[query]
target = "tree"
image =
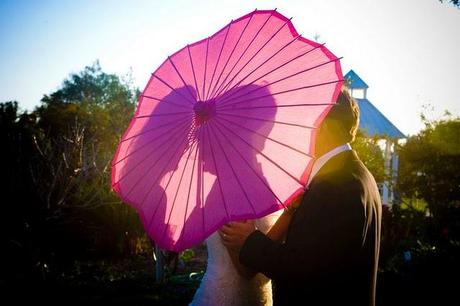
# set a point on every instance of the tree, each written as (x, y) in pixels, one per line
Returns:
(454, 2)
(371, 154)
(56, 175)
(80, 126)
(421, 247)
(430, 165)
(18, 193)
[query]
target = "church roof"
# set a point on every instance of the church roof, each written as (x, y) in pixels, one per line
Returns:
(352, 81)
(373, 123)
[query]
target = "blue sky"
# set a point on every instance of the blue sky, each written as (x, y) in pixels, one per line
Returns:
(407, 51)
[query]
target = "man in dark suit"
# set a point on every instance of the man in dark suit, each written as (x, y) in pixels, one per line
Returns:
(331, 247)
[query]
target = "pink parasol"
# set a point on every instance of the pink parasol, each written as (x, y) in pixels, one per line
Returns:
(225, 129)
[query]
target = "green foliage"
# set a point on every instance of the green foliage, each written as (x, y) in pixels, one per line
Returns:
(453, 2)
(101, 103)
(430, 165)
(56, 177)
(430, 172)
(187, 255)
(421, 237)
(371, 154)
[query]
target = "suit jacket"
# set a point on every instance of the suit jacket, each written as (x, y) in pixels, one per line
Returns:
(330, 255)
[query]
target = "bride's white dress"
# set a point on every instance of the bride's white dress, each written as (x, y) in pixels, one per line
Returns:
(222, 285)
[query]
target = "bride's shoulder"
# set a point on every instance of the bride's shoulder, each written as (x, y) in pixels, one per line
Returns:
(264, 223)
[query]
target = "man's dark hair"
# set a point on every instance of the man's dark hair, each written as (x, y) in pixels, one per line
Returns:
(343, 118)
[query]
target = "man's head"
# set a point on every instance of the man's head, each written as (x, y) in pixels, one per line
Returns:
(340, 125)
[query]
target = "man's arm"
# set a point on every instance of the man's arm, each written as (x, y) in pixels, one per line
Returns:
(234, 234)
(325, 232)
(276, 233)
(242, 270)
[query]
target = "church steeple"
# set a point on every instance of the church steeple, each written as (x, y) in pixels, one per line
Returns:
(374, 124)
(358, 88)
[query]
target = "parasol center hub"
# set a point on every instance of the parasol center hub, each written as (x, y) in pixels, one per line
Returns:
(204, 110)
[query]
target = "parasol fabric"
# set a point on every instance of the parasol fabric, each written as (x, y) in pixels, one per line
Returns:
(225, 129)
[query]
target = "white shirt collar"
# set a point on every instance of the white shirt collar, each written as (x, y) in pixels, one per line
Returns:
(324, 158)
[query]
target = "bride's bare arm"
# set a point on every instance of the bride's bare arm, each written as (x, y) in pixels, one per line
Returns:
(278, 231)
